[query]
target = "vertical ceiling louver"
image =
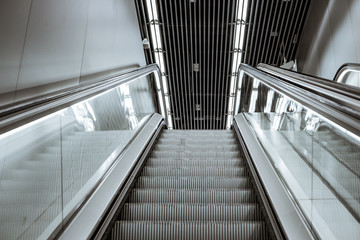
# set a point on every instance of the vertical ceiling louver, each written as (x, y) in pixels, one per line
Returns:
(200, 43)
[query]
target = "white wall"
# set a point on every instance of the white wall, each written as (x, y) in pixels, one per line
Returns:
(331, 37)
(47, 45)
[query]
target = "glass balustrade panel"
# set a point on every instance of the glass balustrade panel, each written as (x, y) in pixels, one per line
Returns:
(317, 159)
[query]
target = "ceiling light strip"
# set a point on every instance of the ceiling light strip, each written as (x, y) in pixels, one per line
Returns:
(201, 60)
(159, 59)
(210, 65)
(143, 22)
(176, 76)
(227, 62)
(213, 65)
(237, 54)
(169, 58)
(187, 57)
(194, 103)
(220, 98)
(182, 63)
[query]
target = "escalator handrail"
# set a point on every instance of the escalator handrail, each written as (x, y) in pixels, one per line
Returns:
(335, 94)
(22, 112)
(345, 68)
(347, 90)
(308, 99)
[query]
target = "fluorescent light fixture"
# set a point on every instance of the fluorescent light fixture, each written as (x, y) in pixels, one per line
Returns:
(159, 59)
(238, 48)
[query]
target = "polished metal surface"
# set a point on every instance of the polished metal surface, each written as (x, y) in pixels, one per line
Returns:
(342, 97)
(348, 73)
(204, 34)
(17, 114)
(312, 101)
(327, 84)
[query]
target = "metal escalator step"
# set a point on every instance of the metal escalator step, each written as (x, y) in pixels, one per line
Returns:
(192, 182)
(189, 230)
(155, 162)
(191, 212)
(198, 132)
(195, 154)
(195, 147)
(192, 196)
(193, 171)
(174, 140)
(196, 139)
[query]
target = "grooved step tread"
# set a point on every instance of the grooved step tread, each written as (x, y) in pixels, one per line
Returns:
(192, 196)
(194, 186)
(196, 141)
(194, 171)
(203, 146)
(189, 230)
(192, 182)
(196, 154)
(195, 162)
(190, 212)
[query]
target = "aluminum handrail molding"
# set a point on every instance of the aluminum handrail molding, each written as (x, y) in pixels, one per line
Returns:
(347, 67)
(22, 112)
(306, 98)
(350, 91)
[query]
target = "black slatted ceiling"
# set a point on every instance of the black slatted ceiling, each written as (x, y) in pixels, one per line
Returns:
(202, 32)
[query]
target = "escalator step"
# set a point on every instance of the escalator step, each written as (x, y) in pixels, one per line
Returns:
(195, 133)
(195, 147)
(193, 171)
(195, 154)
(190, 212)
(192, 196)
(195, 162)
(189, 230)
(192, 182)
(226, 141)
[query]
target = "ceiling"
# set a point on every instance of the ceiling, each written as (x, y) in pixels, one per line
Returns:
(200, 50)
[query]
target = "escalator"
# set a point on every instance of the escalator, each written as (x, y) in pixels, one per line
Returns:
(195, 185)
(96, 162)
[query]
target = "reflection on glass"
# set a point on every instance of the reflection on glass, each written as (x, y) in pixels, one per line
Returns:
(47, 167)
(318, 160)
